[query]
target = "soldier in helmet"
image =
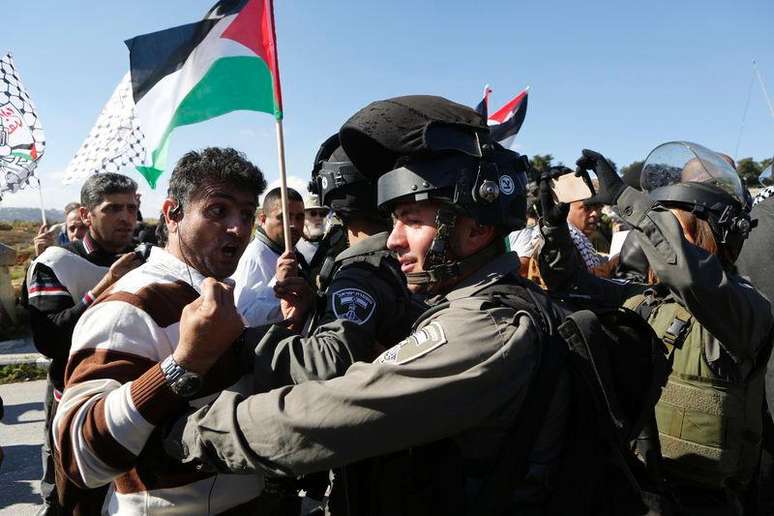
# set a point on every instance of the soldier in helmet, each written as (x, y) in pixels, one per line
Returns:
(436, 410)
(690, 223)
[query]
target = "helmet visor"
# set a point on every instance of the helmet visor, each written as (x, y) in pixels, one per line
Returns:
(686, 162)
(765, 178)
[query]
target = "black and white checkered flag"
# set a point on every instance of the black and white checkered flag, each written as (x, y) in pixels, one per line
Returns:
(116, 140)
(22, 141)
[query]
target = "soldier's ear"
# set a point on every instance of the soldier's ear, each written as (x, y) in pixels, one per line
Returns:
(472, 236)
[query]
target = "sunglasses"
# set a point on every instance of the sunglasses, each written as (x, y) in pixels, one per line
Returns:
(317, 213)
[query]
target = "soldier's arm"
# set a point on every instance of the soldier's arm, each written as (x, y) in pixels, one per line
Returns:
(726, 305)
(359, 303)
(450, 375)
(563, 271)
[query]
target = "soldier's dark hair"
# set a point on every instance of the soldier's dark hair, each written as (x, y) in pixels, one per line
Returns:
(97, 186)
(275, 194)
(213, 166)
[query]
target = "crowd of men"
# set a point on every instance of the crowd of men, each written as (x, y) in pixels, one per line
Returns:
(396, 356)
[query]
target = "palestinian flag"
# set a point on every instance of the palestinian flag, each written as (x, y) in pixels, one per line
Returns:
(194, 72)
(506, 122)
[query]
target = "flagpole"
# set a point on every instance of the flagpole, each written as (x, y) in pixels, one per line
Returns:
(283, 185)
(40, 198)
(278, 116)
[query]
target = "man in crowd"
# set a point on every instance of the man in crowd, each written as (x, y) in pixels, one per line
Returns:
(70, 230)
(457, 382)
(583, 219)
(314, 228)
(122, 378)
(61, 284)
(254, 275)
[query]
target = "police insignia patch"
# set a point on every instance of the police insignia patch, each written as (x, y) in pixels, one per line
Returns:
(353, 305)
(416, 345)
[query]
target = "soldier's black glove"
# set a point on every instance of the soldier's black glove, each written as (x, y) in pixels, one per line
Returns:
(611, 186)
(554, 214)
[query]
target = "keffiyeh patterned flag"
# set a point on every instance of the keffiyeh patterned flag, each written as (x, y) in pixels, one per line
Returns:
(116, 140)
(22, 141)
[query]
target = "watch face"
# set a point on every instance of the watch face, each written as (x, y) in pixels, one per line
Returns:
(187, 385)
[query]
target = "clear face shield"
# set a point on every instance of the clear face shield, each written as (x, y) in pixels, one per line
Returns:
(685, 162)
(765, 178)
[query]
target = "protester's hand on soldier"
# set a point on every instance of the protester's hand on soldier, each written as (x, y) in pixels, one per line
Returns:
(44, 239)
(208, 327)
(287, 266)
(554, 214)
(611, 186)
(119, 268)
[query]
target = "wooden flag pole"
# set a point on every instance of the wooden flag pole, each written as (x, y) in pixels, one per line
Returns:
(40, 198)
(283, 185)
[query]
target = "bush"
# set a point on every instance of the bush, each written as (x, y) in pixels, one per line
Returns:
(14, 373)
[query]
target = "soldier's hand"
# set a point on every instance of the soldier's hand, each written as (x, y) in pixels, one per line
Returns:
(287, 266)
(44, 239)
(611, 186)
(554, 214)
(208, 327)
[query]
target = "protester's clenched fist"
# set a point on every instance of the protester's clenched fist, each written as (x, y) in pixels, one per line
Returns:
(287, 266)
(208, 327)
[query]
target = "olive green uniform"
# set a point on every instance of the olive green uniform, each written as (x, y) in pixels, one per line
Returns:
(718, 326)
(461, 376)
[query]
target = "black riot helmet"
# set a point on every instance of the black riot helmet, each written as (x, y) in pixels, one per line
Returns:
(692, 178)
(425, 147)
(340, 185)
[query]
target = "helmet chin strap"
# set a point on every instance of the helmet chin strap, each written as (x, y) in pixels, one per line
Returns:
(439, 268)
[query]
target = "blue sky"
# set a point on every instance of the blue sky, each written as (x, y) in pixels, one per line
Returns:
(617, 77)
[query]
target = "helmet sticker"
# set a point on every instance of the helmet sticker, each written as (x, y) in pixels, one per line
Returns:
(507, 186)
(324, 182)
(352, 304)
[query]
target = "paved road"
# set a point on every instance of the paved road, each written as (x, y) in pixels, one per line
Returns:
(21, 434)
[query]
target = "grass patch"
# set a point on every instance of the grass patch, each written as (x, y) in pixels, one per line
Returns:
(15, 373)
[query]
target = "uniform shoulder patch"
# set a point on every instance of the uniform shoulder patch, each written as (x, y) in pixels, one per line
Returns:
(416, 345)
(353, 304)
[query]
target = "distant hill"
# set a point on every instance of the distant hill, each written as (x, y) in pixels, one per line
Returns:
(29, 215)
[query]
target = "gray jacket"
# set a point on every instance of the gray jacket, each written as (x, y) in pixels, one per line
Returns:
(462, 374)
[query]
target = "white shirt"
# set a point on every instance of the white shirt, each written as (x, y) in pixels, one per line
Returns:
(254, 281)
(307, 249)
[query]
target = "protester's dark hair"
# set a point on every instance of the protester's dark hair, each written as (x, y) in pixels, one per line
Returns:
(161, 231)
(98, 186)
(275, 194)
(213, 166)
(70, 206)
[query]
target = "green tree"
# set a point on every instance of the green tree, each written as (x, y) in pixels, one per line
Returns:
(633, 170)
(542, 162)
(749, 170)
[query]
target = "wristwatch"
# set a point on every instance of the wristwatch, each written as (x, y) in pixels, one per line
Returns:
(184, 383)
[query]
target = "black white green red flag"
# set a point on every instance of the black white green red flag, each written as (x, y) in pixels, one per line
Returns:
(194, 72)
(22, 141)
